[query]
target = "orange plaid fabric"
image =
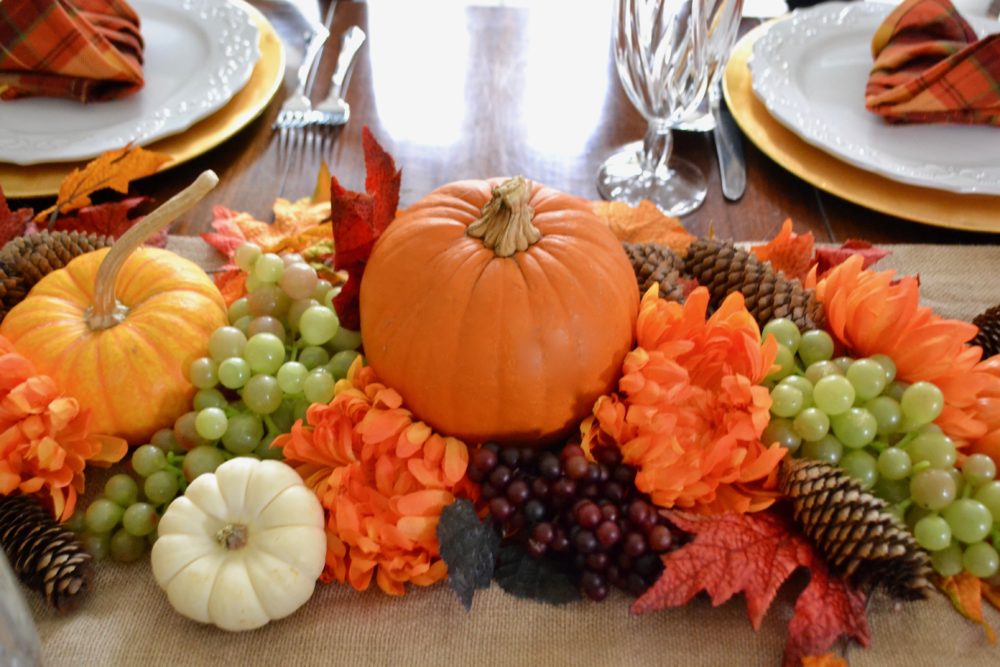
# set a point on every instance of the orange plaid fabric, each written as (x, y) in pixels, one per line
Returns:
(930, 67)
(82, 49)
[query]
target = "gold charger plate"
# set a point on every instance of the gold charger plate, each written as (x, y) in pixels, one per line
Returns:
(43, 179)
(977, 213)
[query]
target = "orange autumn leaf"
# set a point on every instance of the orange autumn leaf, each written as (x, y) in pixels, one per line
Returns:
(965, 592)
(825, 660)
(113, 169)
(643, 224)
(991, 592)
(788, 252)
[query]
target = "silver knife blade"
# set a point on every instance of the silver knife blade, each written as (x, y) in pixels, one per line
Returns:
(728, 148)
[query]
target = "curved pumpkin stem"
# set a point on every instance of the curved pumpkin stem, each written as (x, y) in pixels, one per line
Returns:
(106, 311)
(505, 225)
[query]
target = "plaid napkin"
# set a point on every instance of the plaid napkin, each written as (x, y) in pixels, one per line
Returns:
(82, 49)
(930, 67)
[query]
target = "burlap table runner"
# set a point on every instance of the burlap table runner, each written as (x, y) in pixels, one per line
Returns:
(128, 621)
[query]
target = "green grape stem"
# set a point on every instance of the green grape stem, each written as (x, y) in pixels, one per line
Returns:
(878, 446)
(175, 463)
(919, 467)
(994, 536)
(906, 439)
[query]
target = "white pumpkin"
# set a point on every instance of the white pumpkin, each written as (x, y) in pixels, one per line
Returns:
(241, 547)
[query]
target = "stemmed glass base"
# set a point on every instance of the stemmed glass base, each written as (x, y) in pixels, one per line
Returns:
(676, 187)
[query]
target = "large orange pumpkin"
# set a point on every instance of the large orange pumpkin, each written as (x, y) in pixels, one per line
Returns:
(498, 311)
(125, 358)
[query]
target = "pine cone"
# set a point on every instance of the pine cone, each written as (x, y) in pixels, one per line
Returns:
(46, 556)
(988, 337)
(854, 531)
(655, 263)
(27, 259)
(724, 268)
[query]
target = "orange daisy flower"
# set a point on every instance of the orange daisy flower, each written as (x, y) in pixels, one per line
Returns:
(871, 312)
(45, 442)
(383, 479)
(691, 409)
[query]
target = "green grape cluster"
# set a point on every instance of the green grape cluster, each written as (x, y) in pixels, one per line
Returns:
(855, 414)
(283, 350)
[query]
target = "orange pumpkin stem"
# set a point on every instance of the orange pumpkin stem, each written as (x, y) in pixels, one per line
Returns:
(106, 310)
(505, 225)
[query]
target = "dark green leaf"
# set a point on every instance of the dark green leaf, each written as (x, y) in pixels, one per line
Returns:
(534, 578)
(469, 548)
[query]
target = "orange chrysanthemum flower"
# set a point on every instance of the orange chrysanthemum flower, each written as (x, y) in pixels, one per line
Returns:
(869, 312)
(45, 442)
(691, 409)
(383, 479)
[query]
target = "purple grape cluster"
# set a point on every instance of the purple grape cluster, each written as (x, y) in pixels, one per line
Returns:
(585, 514)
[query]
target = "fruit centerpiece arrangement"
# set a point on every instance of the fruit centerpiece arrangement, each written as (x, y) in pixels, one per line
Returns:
(528, 401)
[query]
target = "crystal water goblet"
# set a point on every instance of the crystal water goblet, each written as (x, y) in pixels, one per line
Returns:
(661, 54)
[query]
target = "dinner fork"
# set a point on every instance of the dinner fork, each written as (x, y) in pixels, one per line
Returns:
(334, 110)
(294, 111)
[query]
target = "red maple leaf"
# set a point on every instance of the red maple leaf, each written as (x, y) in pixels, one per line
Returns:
(827, 258)
(788, 252)
(754, 554)
(12, 223)
(358, 221)
(111, 219)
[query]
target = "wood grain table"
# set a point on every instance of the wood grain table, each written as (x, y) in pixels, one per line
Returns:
(455, 90)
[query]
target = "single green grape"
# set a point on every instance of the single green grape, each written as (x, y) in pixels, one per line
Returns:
(816, 345)
(226, 342)
(243, 435)
(827, 449)
(811, 424)
(784, 331)
(887, 414)
(97, 545)
(895, 390)
(268, 300)
(933, 533)
(121, 489)
(237, 310)
(282, 417)
(140, 519)
(783, 432)
(318, 325)
(185, 432)
(126, 548)
(166, 440)
(867, 377)
(265, 451)
(296, 309)
(893, 491)
(265, 353)
(268, 268)
(290, 377)
(147, 459)
(202, 460)
(209, 398)
(887, 364)
(894, 463)
(833, 394)
(313, 357)
(989, 495)
(855, 428)
(234, 372)
(843, 363)
(299, 280)
(246, 256)
(340, 363)
(344, 340)
(933, 489)
(921, 403)
(862, 466)
(969, 519)
(981, 560)
(322, 287)
(978, 469)
(262, 394)
(103, 515)
(291, 258)
(243, 323)
(948, 561)
(818, 370)
(161, 487)
(318, 386)
(204, 373)
(267, 324)
(935, 448)
(77, 521)
(786, 401)
(211, 423)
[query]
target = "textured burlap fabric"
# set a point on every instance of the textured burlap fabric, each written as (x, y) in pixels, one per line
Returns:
(128, 621)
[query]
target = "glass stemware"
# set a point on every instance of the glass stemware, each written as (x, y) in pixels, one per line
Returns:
(661, 53)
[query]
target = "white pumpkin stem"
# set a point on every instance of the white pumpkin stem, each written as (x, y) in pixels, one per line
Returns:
(106, 311)
(233, 536)
(505, 224)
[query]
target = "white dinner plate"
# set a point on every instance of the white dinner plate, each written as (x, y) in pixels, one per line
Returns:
(810, 71)
(198, 54)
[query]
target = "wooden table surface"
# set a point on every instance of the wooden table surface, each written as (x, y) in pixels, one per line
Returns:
(457, 91)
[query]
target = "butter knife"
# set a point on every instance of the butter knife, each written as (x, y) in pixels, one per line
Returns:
(728, 147)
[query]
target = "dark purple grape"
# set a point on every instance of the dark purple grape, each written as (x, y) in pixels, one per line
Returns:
(516, 521)
(536, 549)
(609, 456)
(593, 473)
(510, 457)
(625, 562)
(543, 533)
(493, 447)
(528, 456)
(648, 565)
(501, 509)
(585, 541)
(539, 488)
(634, 544)
(559, 542)
(597, 561)
(609, 512)
(500, 477)
(638, 512)
(474, 475)
(588, 515)
(614, 491)
(549, 467)
(635, 584)
(572, 452)
(608, 533)
(487, 491)
(534, 511)
(624, 475)
(564, 488)
(518, 492)
(593, 586)
(483, 460)
(576, 468)
(592, 491)
(659, 538)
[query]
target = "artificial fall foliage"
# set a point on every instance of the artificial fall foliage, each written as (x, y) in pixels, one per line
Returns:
(643, 224)
(966, 593)
(12, 223)
(469, 548)
(796, 255)
(755, 554)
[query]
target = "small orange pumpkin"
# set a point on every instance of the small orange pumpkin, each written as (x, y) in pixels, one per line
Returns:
(125, 358)
(498, 311)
